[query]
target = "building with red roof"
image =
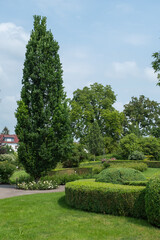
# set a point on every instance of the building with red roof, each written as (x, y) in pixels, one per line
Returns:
(10, 140)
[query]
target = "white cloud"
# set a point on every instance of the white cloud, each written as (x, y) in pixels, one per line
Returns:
(150, 74)
(121, 70)
(137, 39)
(13, 39)
(7, 109)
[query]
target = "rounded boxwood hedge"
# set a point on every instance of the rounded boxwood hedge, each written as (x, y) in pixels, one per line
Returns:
(152, 200)
(119, 175)
(106, 198)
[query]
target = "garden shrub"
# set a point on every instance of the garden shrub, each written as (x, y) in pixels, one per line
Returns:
(106, 198)
(62, 179)
(152, 201)
(137, 166)
(136, 183)
(24, 177)
(78, 154)
(136, 155)
(6, 170)
(150, 146)
(153, 164)
(7, 157)
(119, 175)
(106, 164)
(97, 170)
(128, 144)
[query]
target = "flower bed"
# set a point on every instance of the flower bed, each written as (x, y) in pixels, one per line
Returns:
(40, 185)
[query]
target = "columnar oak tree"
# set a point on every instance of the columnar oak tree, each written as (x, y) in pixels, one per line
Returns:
(43, 125)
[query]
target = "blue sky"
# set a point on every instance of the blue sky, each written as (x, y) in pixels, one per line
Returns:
(106, 41)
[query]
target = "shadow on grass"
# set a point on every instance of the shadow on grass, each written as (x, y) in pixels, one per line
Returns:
(63, 204)
(135, 221)
(140, 222)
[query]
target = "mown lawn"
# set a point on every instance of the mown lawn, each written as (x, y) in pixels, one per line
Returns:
(47, 217)
(150, 172)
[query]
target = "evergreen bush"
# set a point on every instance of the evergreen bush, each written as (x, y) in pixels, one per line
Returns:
(106, 198)
(152, 201)
(136, 155)
(119, 175)
(6, 170)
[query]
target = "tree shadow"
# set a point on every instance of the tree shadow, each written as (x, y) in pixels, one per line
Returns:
(63, 204)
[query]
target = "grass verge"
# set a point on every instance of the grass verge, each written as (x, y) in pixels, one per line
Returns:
(47, 217)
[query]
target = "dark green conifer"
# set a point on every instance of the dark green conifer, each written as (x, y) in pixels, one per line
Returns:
(43, 125)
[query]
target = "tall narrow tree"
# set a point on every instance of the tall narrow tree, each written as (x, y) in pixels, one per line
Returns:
(43, 125)
(5, 130)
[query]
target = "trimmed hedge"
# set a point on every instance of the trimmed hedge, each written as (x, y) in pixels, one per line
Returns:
(153, 164)
(136, 183)
(106, 198)
(152, 200)
(137, 166)
(69, 171)
(119, 175)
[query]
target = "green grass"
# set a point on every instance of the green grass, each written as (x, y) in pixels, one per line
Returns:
(47, 217)
(151, 172)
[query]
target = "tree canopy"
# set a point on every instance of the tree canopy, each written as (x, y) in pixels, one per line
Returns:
(156, 65)
(142, 116)
(43, 125)
(95, 103)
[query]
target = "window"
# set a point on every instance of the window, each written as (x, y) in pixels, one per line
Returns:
(9, 139)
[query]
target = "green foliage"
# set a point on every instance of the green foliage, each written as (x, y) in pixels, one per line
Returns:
(95, 141)
(19, 177)
(77, 155)
(63, 178)
(136, 155)
(142, 116)
(6, 149)
(95, 103)
(106, 198)
(106, 163)
(137, 166)
(152, 201)
(5, 131)
(6, 170)
(110, 144)
(151, 146)
(156, 65)
(97, 169)
(136, 183)
(119, 175)
(128, 144)
(8, 157)
(43, 125)
(153, 164)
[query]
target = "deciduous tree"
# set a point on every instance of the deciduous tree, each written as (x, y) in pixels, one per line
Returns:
(142, 116)
(95, 103)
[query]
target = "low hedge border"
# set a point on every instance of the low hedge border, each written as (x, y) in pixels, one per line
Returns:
(106, 198)
(136, 183)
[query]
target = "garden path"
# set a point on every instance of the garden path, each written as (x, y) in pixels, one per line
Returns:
(7, 191)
